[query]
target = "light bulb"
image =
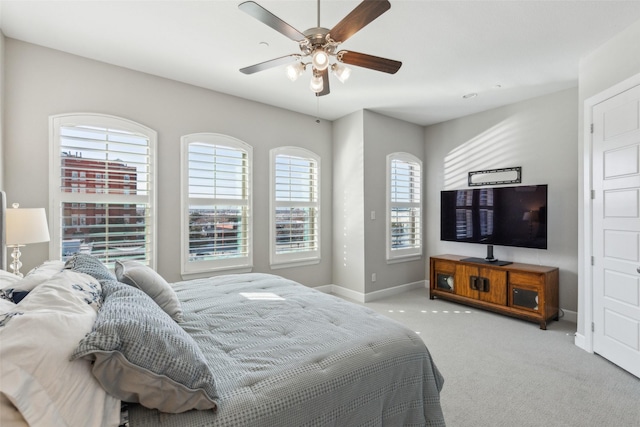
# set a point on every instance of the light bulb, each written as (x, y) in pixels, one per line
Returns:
(341, 72)
(316, 84)
(295, 70)
(320, 59)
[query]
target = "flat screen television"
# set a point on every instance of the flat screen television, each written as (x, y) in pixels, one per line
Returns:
(505, 216)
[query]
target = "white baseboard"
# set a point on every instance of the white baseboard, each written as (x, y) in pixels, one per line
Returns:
(324, 288)
(581, 342)
(371, 296)
(383, 293)
(570, 315)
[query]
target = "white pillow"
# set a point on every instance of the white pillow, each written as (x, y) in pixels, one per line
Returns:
(33, 278)
(62, 289)
(8, 280)
(39, 274)
(38, 338)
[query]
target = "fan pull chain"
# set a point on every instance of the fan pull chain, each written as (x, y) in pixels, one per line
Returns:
(317, 109)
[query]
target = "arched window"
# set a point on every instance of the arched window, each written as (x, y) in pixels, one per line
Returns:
(295, 207)
(404, 207)
(102, 188)
(216, 203)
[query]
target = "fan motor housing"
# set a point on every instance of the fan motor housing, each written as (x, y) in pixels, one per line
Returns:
(317, 36)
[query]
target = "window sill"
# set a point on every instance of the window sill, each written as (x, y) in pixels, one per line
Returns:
(407, 258)
(214, 271)
(289, 264)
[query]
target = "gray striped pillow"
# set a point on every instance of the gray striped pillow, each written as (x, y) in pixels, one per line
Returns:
(141, 355)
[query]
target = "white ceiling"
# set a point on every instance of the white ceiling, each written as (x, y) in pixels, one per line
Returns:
(505, 51)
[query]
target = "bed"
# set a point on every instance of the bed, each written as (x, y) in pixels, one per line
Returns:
(235, 350)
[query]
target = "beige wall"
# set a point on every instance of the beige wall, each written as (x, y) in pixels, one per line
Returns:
(540, 136)
(348, 202)
(41, 82)
(610, 64)
(362, 141)
(382, 136)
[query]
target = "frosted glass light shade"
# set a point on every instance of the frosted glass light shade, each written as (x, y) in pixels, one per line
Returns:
(316, 84)
(341, 72)
(320, 60)
(294, 71)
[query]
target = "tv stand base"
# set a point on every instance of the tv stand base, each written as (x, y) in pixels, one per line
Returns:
(525, 291)
(486, 261)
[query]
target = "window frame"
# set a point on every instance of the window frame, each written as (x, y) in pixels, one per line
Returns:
(203, 268)
(57, 197)
(412, 253)
(293, 259)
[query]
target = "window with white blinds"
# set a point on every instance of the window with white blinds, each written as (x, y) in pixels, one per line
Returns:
(216, 204)
(404, 221)
(102, 188)
(295, 206)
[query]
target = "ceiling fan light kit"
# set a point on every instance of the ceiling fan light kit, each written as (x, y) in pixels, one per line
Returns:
(320, 44)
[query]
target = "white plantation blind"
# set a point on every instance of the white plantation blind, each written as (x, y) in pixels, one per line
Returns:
(295, 225)
(217, 222)
(102, 188)
(404, 225)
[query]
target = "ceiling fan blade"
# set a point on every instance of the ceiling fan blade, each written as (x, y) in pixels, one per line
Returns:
(369, 61)
(268, 18)
(325, 83)
(269, 64)
(358, 18)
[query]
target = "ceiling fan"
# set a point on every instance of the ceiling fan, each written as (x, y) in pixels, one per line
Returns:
(321, 44)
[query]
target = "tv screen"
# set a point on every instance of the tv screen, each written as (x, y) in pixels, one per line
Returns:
(506, 216)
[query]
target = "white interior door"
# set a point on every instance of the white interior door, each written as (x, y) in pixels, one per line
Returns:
(616, 229)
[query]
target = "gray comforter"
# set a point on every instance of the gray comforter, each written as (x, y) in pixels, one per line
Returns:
(287, 355)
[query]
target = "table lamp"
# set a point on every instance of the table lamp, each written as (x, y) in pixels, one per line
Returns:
(24, 226)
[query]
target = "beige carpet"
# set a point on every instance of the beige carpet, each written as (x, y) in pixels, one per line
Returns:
(500, 371)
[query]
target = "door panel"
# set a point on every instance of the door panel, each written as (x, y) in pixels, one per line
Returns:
(620, 245)
(621, 162)
(621, 328)
(622, 287)
(621, 203)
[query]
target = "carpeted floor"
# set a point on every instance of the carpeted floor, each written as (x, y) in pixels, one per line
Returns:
(500, 371)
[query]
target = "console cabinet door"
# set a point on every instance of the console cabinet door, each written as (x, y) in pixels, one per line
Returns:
(497, 286)
(444, 276)
(480, 283)
(526, 291)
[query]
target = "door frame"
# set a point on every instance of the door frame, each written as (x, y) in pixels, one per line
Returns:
(585, 340)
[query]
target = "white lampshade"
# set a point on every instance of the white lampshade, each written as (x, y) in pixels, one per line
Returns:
(25, 226)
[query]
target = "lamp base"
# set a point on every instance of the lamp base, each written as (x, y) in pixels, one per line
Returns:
(16, 264)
